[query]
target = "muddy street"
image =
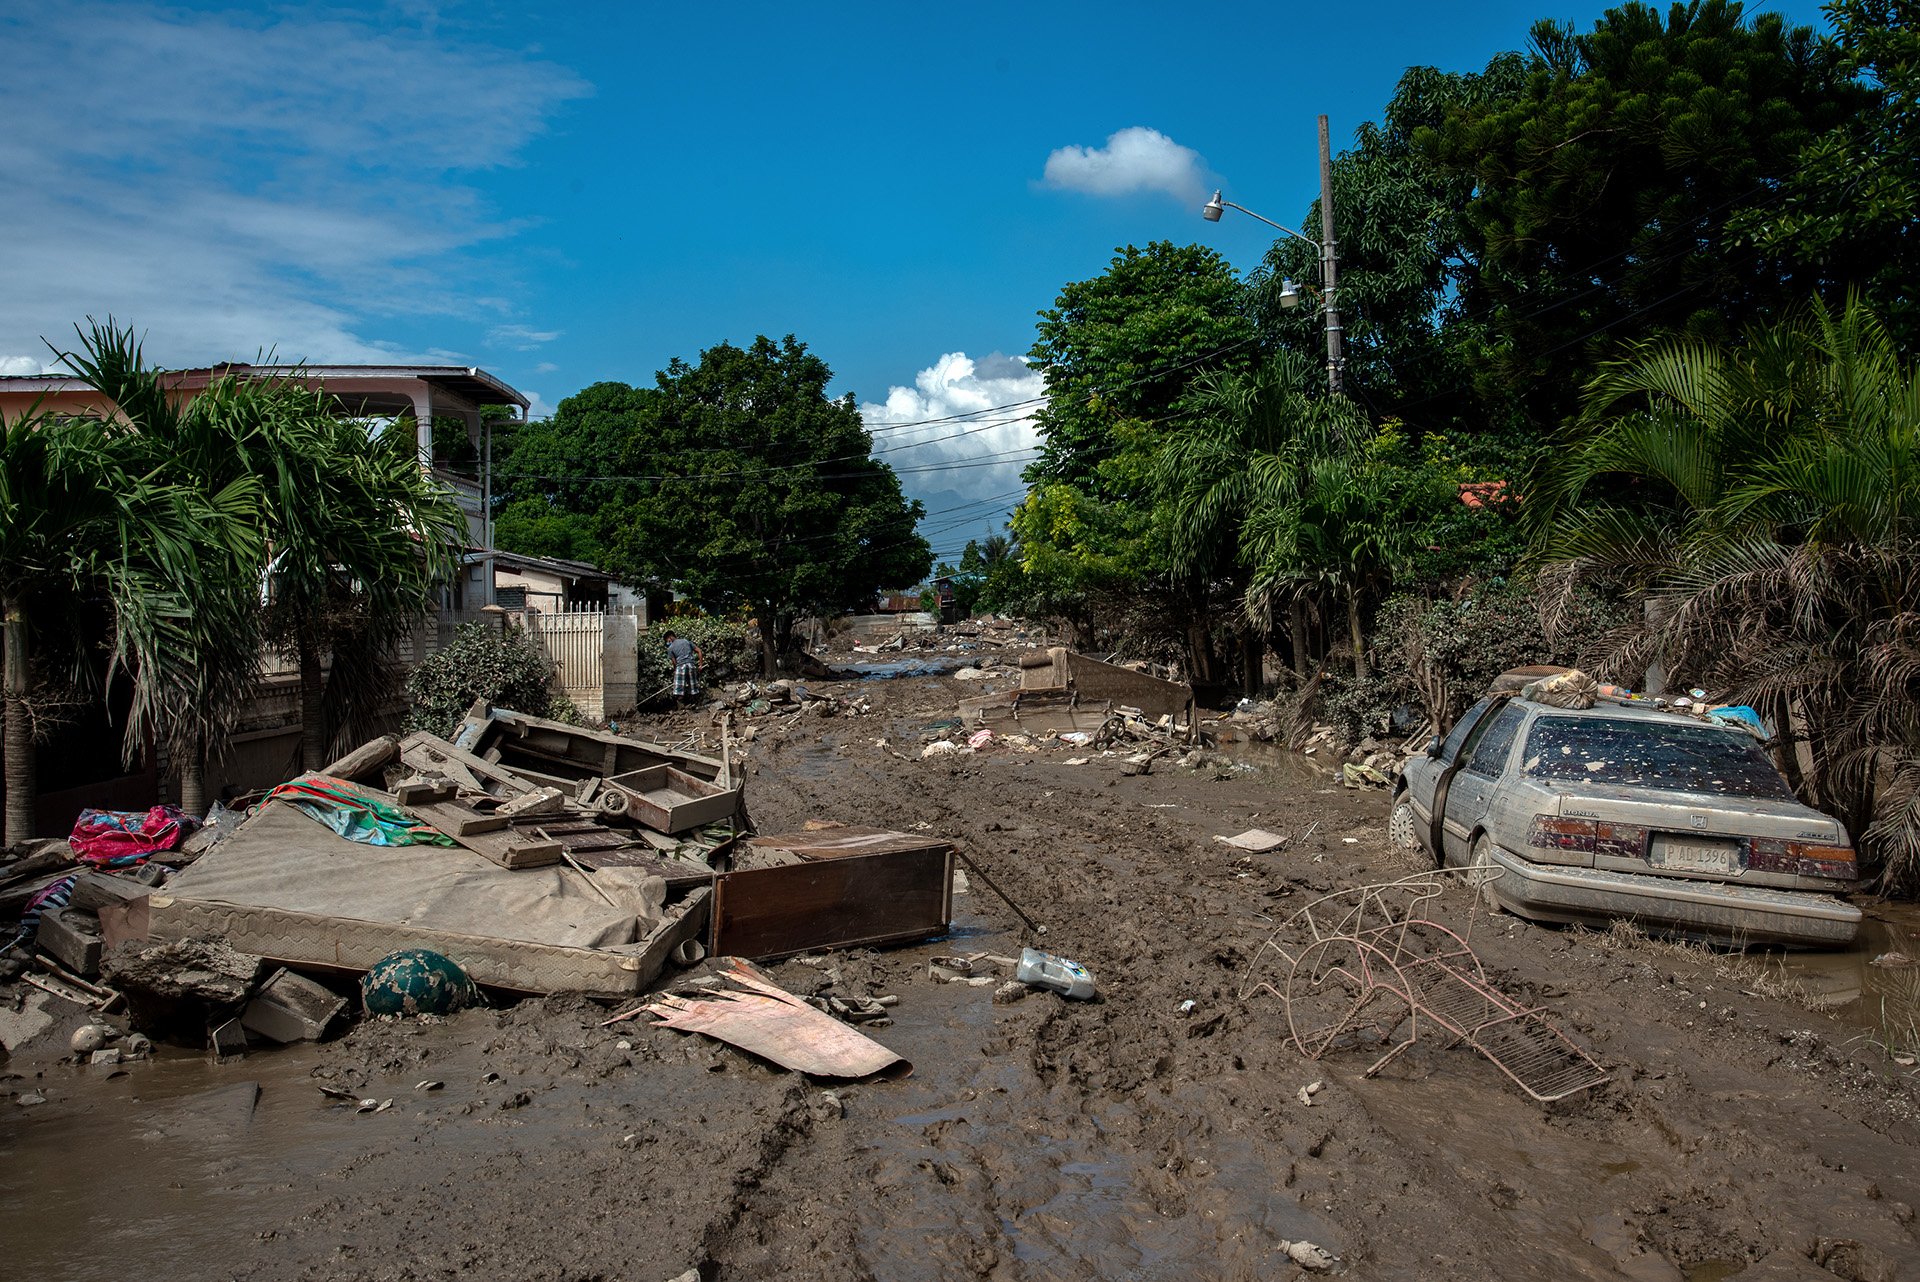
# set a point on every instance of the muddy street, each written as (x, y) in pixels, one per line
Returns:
(1157, 1133)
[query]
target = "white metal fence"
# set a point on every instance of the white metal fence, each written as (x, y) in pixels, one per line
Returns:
(595, 656)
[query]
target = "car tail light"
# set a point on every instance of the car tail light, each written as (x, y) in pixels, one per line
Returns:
(1807, 859)
(1588, 836)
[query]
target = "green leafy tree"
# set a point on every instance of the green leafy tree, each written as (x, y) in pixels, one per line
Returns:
(555, 491)
(1120, 353)
(350, 536)
(1349, 529)
(363, 540)
(1605, 190)
(212, 445)
(1402, 258)
(86, 517)
(747, 487)
(1125, 347)
(1847, 214)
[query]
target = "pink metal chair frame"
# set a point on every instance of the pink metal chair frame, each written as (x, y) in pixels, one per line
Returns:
(1377, 948)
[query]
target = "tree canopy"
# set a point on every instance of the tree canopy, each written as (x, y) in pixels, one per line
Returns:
(1606, 185)
(735, 480)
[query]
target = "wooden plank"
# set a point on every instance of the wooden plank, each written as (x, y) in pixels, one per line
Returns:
(456, 820)
(845, 841)
(585, 747)
(538, 779)
(423, 792)
(365, 760)
(677, 873)
(490, 836)
(512, 851)
(848, 902)
(546, 801)
(424, 751)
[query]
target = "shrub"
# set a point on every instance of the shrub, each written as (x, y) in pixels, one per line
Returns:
(506, 669)
(731, 648)
(1433, 658)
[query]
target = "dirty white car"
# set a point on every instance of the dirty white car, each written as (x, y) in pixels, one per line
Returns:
(1582, 815)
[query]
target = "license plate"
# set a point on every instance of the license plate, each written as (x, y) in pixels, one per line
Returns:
(1693, 854)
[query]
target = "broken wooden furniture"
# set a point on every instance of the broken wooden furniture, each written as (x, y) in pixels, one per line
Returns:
(1370, 964)
(1097, 682)
(1063, 691)
(839, 887)
(479, 789)
(667, 799)
(488, 833)
(551, 752)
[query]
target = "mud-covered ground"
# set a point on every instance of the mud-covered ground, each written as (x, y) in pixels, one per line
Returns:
(1155, 1134)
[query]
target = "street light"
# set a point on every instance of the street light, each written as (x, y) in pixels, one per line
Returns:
(1289, 292)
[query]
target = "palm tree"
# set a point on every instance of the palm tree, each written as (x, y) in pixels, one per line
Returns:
(1763, 499)
(213, 444)
(362, 538)
(84, 518)
(1285, 491)
(350, 538)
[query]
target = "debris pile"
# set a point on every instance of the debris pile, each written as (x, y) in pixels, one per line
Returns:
(788, 700)
(517, 855)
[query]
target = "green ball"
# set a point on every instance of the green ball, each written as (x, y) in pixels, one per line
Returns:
(415, 981)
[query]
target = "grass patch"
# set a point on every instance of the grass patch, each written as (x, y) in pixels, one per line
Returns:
(1761, 974)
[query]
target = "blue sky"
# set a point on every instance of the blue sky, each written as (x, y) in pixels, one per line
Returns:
(569, 193)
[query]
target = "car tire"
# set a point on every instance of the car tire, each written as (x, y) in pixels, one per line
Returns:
(1403, 826)
(1483, 866)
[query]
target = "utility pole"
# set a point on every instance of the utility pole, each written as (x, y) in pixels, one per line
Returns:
(1334, 357)
(1289, 296)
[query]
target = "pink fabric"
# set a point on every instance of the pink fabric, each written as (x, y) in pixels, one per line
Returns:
(117, 838)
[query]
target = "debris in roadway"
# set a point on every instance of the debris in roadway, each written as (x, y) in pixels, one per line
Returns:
(1056, 974)
(1255, 840)
(292, 1008)
(772, 1023)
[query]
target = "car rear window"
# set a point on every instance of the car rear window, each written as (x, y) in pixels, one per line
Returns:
(1651, 754)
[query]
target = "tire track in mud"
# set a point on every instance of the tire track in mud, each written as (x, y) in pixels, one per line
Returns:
(1120, 1138)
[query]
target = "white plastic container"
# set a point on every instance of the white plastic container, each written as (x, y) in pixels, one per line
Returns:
(1044, 970)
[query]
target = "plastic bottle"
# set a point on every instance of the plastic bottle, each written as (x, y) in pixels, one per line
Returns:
(1044, 970)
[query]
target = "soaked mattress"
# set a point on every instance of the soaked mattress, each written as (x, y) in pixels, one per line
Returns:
(284, 887)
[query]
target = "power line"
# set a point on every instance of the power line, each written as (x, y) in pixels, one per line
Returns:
(844, 458)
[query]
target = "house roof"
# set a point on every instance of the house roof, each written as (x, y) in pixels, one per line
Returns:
(552, 565)
(363, 389)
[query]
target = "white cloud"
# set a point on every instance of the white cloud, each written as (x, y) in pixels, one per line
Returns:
(545, 367)
(521, 338)
(1136, 159)
(234, 183)
(16, 365)
(971, 459)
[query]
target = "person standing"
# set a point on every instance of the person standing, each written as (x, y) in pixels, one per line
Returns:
(686, 658)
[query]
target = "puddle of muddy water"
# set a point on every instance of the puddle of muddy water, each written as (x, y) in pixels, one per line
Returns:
(168, 1169)
(882, 670)
(1279, 762)
(1877, 999)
